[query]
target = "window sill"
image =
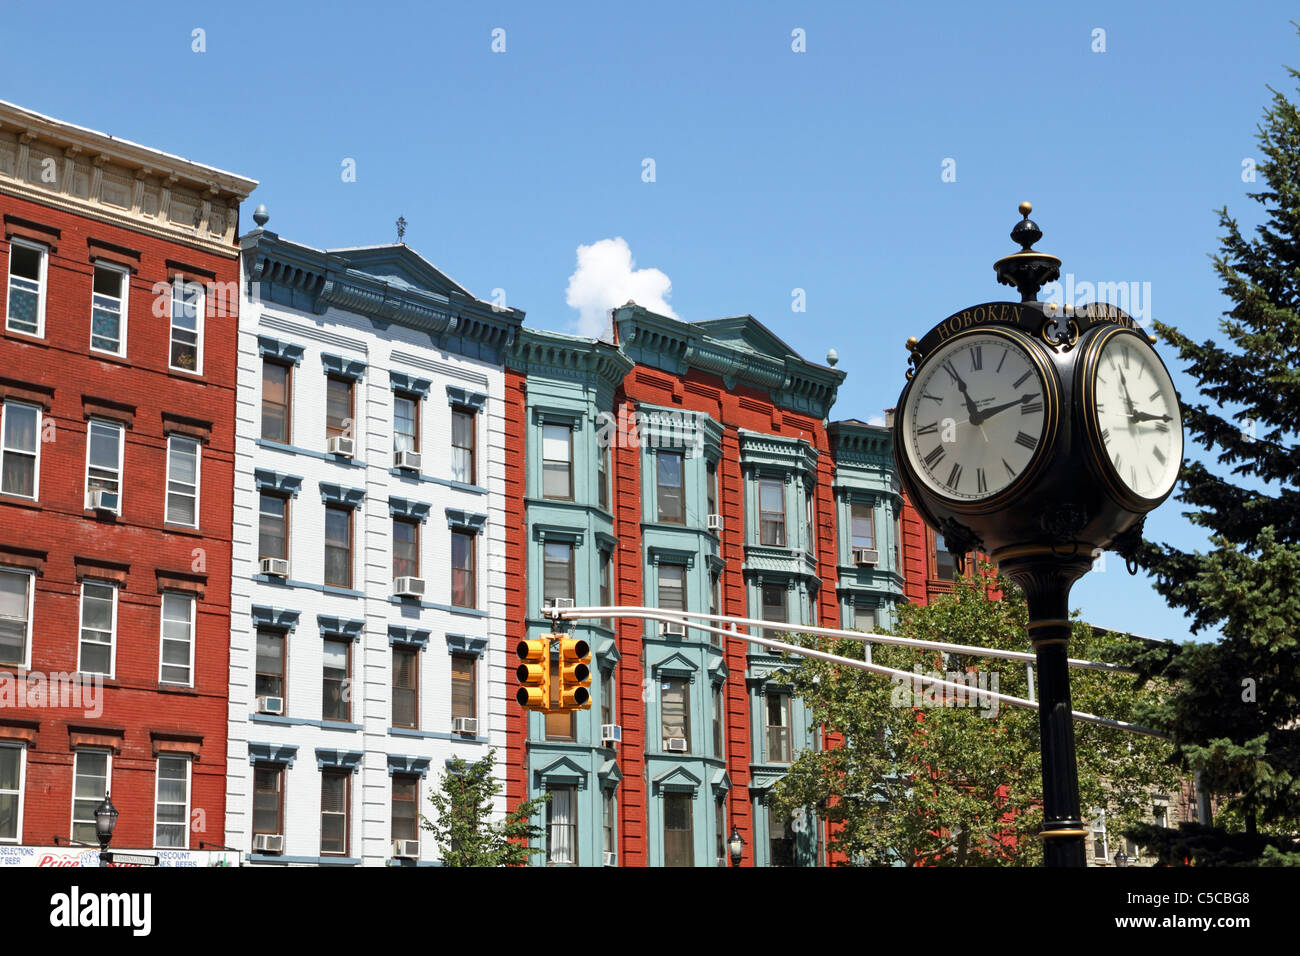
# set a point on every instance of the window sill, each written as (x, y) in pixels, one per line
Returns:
(303, 722)
(19, 501)
(432, 479)
(28, 337)
(186, 374)
(321, 456)
(308, 860)
(182, 529)
(110, 357)
(434, 735)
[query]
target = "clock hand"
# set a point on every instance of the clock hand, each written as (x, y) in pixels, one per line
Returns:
(988, 413)
(961, 387)
(1148, 417)
(1128, 400)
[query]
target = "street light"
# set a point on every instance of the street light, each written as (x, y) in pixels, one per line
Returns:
(105, 821)
(736, 845)
(1121, 858)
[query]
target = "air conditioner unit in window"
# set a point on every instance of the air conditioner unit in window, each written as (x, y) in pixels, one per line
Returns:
(611, 859)
(338, 445)
(715, 522)
(408, 460)
(611, 734)
(268, 843)
(558, 603)
(102, 500)
(270, 705)
(675, 745)
(866, 556)
(465, 725)
(406, 849)
(409, 587)
(274, 567)
(674, 627)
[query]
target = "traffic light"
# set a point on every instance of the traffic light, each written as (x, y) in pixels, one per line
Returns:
(575, 674)
(534, 674)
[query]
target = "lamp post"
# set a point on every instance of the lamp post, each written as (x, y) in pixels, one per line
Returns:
(1121, 858)
(736, 846)
(105, 822)
(1040, 435)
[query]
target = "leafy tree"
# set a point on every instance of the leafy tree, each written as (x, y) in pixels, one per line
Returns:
(957, 785)
(1236, 714)
(462, 826)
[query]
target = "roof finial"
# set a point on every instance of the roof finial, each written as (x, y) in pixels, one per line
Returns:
(261, 216)
(401, 228)
(832, 358)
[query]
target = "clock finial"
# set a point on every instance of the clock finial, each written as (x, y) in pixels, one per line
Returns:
(1027, 269)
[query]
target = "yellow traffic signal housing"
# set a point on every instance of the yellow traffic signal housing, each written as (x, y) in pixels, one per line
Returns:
(575, 674)
(534, 674)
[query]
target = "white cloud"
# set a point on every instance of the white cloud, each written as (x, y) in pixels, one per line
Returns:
(607, 277)
(877, 420)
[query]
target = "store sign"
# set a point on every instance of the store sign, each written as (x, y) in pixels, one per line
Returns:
(63, 856)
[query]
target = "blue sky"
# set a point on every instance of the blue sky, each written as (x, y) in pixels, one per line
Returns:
(774, 170)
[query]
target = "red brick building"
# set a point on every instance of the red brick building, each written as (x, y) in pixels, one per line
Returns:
(117, 377)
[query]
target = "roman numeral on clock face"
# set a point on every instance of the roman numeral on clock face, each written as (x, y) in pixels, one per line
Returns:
(1022, 379)
(1027, 440)
(1030, 408)
(954, 476)
(977, 358)
(1160, 456)
(981, 484)
(934, 457)
(928, 429)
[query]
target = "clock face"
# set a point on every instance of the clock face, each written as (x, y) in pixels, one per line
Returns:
(1137, 416)
(975, 416)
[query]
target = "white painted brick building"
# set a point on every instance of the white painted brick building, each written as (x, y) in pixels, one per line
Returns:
(377, 347)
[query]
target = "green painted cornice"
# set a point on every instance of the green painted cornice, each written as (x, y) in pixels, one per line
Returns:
(858, 442)
(537, 352)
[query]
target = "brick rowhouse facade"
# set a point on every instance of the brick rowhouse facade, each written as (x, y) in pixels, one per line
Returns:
(145, 243)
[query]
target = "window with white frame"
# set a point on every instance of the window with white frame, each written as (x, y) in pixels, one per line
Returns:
(562, 826)
(108, 308)
(176, 658)
(20, 450)
(182, 481)
(27, 267)
(771, 512)
(720, 830)
(104, 460)
(92, 772)
(675, 711)
(98, 628)
(557, 462)
(187, 326)
(335, 807)
(171, 814)
(16, 597)
(406, 422)
(1099, 847)
(11, 793)
(777, 707)
(610, 814)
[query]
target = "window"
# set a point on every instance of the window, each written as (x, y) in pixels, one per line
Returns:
(780, 839)
(810, 516)
(669, 487)
(187, 326)
(607, 694)
(672, 587)
(16, 595)
(464, 592)
(777, 708)
(270, 675)
(406, 799)
(406, 686)
(1160, 815)
(11, 793)
(719, 742)
(557, 571)
(91, 769)
(773, 606)
(273, 530)
(715, 605)
(338, 547)
(610, 818)
(863, 525)
(108, 309)
(674, 708)
(335, 798)
(559, 725)
(898, 544)
(464, 697)
(1099, 847)
(338, 407)
(867, 619)
(20, 450)
(277, 394)
(462, 445)
(26, 311)
(98, 628)
(713, 488)
(771, 512)
(606, 585)
(562, 826)
(720, 825)
(679, 841)
(268, 798)
(602, 478)
(335, 694)
(406, 423)
(183, 481)
(104, 460)
(176, 658)
(406, 548)
(945, 562)
(557, 462)
(171, 815)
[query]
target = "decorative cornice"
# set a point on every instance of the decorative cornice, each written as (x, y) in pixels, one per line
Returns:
(275, 618)
(539, 353)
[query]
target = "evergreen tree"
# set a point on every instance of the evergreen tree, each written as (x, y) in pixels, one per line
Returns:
(1236, 715)
(462, 825)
